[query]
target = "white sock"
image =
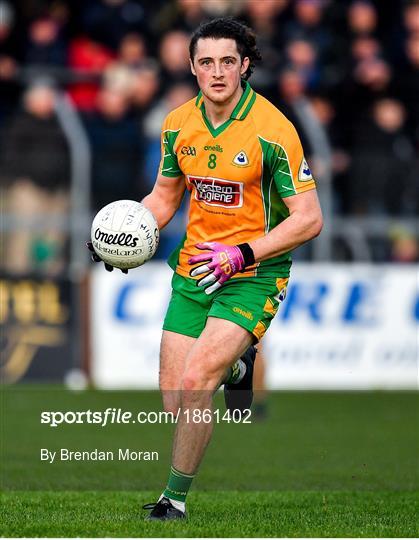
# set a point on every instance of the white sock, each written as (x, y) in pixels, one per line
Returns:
(179, 505)
(242, 368)
(238, 369)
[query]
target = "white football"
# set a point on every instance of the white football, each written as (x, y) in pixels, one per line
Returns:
(125, 234)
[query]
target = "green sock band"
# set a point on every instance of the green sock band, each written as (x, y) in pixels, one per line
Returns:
(178, 485)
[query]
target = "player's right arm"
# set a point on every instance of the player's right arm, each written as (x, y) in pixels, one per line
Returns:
(168, 190)
(165, 198)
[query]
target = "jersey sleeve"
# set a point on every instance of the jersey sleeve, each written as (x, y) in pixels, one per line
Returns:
(169, 165)
(287, 164)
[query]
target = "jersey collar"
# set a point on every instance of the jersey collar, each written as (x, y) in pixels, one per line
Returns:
(240, 111)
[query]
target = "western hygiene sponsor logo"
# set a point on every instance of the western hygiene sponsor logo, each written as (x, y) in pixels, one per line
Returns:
(217, 192)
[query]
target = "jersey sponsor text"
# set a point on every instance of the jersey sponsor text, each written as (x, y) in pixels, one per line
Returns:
(217, 192)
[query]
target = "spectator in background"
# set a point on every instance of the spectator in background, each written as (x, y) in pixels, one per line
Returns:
(9, 61)
(291, 88)
(59, 12)
(381, 160)
(224, 8)
(404, 246)
(108, 21)
(264, 18)
(44, 46)
(8, 40)
(145, 88)
(362, 18)
(364, 48)
(35, 167)
(88, 60)
(132, 51)
(326, 113)
(411, 17)
(369, 80)
(186, 15)
(119, 78)
(182, 14)
(116, 149)
(302, 57)
(407, 84)
(373, 75)
(307, 25)
(361, 33)
(174, 58)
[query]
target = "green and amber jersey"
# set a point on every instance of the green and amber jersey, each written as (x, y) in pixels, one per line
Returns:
(237, 175)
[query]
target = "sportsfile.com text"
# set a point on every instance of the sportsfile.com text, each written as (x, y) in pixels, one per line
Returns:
(111, 416)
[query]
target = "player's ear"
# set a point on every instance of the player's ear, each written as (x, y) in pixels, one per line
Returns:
(192, 67)
(245, 65)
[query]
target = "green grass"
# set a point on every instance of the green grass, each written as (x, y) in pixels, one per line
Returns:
(323, 464)
(225, 514)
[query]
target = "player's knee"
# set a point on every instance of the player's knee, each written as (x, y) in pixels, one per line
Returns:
(202, 379)
(195, 392)
(192, 381)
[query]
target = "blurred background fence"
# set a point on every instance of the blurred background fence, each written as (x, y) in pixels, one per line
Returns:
(84, 88)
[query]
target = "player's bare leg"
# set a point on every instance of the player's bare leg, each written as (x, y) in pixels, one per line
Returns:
(190, 372)
(174, 351)
(218, 347)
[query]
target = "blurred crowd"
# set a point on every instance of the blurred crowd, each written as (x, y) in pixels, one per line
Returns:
(124, 65)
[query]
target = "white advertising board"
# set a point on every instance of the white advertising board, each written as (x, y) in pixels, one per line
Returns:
(340, 327)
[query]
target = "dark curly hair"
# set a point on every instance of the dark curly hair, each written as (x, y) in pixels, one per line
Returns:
(229, 28)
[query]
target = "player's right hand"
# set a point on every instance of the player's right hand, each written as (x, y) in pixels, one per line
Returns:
(219, 265)
(95, 258)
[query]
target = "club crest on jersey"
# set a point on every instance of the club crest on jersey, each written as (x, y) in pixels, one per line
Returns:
(241, 159)
(217, 192)
(304, 174)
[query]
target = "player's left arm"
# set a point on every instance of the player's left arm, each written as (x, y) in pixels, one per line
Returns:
(223, 261)
(304, 222)
(291, 174)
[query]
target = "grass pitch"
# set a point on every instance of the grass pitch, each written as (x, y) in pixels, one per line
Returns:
(322, 464)
(223, 514)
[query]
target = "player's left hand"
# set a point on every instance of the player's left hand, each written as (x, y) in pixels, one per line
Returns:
(95, 258)
(220, 264)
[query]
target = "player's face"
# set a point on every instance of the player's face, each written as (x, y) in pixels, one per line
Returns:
(218, 68)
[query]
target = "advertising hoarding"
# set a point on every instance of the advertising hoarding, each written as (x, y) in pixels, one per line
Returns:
(340, 327)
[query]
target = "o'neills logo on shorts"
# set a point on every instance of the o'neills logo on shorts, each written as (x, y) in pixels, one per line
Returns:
(217, 192)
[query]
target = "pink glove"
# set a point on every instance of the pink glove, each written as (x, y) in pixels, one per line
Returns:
(220, 265)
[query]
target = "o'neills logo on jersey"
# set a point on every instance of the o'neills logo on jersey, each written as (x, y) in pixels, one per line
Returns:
(217, 192)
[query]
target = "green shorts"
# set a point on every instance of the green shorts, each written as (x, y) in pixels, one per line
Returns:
(249, 302)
